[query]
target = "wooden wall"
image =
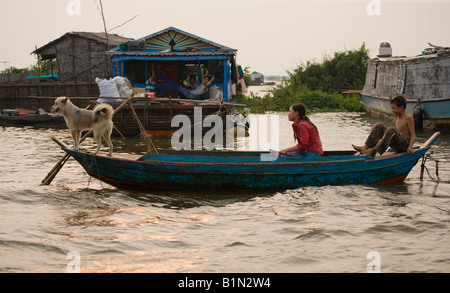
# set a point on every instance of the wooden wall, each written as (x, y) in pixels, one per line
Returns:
(80, 59)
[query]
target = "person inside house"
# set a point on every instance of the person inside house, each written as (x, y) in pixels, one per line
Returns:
(193, 84)
(305, 134)
(400, 138)
(198, 92)
(152, 86)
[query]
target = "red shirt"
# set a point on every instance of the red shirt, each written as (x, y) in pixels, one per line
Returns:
(308, 137)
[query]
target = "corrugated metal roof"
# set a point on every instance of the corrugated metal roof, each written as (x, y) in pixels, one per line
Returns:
(175, 42)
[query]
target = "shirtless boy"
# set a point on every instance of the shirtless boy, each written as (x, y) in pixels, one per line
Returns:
(399, 139)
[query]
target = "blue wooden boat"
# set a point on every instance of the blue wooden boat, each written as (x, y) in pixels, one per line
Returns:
(243, 170)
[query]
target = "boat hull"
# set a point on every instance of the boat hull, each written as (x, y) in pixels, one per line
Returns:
(437, 110)
(172, 171)
(36, 121)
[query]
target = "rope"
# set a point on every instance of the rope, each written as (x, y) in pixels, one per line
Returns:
(424, 168)
(151, 148)
(98, 171)
(90, 168)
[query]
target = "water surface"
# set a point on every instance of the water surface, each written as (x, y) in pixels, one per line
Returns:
(310, 229)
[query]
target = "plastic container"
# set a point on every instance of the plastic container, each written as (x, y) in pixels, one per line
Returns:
(123, 47)
(385, 50)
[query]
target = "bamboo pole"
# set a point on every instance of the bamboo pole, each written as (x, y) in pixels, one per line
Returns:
(55, 170)
(197, 101)
(150, 146)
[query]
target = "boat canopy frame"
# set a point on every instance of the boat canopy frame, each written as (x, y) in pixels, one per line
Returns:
(119, 68)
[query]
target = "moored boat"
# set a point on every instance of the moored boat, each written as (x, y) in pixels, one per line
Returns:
(424, 80)
(37, 119)
(169, 169)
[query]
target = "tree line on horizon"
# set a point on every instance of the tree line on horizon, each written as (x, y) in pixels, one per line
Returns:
(45, 67)
(317, 85)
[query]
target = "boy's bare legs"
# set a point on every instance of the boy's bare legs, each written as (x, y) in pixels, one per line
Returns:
(374, 142)
(382, 144)
(370, 152)
(365, 150)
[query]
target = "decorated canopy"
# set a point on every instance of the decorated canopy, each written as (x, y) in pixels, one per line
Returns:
(174, 42)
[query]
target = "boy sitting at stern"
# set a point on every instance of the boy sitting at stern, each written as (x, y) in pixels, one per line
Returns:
(399, 139)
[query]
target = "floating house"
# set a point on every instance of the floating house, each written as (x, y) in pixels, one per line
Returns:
(256, 78)
(176, 54)
(424, 81)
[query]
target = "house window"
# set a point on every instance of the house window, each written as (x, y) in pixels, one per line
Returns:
(375, 76)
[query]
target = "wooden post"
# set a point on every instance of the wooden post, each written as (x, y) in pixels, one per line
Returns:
(146, 110)
(39, 79)
(73, 67)
(170, 109)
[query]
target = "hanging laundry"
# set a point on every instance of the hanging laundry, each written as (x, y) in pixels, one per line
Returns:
(242, 79)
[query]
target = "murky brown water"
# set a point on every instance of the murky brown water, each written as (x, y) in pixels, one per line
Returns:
(311, 229)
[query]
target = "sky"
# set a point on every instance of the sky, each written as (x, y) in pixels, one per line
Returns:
(272, 36)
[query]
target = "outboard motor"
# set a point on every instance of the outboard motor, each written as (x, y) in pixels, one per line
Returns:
(418, 116)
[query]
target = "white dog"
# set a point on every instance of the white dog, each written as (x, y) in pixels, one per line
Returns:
(99, 120)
